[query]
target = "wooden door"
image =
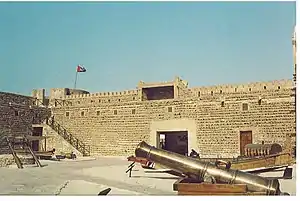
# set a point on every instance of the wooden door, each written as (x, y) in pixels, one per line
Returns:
(35, 144)
(245, 138)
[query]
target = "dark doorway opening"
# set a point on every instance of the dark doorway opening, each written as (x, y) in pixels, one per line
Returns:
(174, 141)
(35, 144)
(245, 138)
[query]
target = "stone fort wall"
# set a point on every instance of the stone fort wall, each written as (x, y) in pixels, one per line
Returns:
(17, 119)
(113, 123)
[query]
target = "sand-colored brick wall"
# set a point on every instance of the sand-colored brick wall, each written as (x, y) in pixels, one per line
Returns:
(114, 123)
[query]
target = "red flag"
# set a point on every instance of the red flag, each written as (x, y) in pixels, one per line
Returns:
(80, 69)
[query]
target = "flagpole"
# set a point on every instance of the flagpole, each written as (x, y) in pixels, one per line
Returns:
(75, 79)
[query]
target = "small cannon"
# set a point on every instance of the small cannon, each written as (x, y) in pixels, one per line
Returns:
(252, 150)
(198, 170)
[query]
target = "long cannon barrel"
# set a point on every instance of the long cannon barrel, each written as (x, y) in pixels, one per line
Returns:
(197, 169)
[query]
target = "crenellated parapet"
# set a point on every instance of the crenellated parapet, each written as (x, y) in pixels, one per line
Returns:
(244, 88)
(103, 94)
(255, 90)
(176, 89)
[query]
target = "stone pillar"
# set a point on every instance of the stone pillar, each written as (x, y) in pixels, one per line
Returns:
(57, 94)
(176, 87)
(140, 90)
(39, 94)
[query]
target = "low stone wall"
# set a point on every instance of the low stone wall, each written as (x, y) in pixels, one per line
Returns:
(7, 160)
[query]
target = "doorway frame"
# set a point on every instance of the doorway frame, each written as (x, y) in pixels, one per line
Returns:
(256, 137)
(175, 125)
(37, 142)
(158, 133)
(240, 144)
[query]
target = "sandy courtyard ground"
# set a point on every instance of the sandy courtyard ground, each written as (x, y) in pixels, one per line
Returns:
(89, 177)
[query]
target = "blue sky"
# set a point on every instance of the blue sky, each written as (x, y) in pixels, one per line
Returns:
(122, 43)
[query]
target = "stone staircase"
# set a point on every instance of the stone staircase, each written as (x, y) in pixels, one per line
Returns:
(59, 129)
(71, 139)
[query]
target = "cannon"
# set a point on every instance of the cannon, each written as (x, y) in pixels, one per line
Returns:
(198, 170)
(252, 150)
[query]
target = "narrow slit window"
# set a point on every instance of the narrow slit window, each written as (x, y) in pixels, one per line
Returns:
(133, 111)
(222, 104)
(98, 113)
(82, 113)
(67, 114)
(115, 112)
(170, 109)
(245, 107)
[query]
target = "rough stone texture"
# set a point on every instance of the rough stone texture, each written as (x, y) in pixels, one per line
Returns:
(106, 121)
(6, 160)
(18, 119)
(56, 141)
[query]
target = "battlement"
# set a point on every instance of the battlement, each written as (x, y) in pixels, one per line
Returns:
(175, 89)
(103, 94)
(244, 88)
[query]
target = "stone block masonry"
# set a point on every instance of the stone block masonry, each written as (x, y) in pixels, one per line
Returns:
(17, 115)
(113, 123)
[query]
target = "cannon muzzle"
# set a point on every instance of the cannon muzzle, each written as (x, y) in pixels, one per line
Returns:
(196, 169)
